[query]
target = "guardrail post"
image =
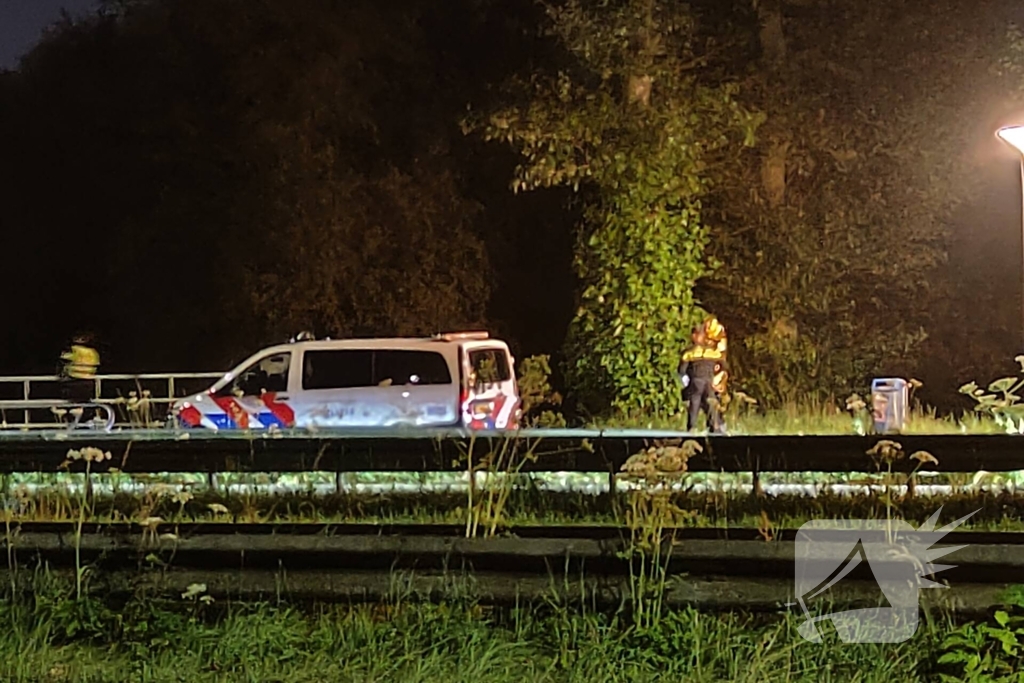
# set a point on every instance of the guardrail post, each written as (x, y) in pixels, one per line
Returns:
(170, 387)
(25, 392)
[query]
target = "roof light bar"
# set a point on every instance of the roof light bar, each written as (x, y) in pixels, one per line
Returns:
(457, 336)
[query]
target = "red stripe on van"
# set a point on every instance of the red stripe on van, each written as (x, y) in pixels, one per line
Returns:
(282, 411)
(233, 410)
(191, 416)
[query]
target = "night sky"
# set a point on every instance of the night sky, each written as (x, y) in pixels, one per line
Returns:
(23, 21)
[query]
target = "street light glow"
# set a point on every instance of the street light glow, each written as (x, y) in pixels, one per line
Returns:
(1013, 135)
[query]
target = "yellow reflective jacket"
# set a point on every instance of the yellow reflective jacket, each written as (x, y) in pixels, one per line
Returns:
(702, 362)
(81, 362)
(716, 333)
(719, 380)
(695, 353)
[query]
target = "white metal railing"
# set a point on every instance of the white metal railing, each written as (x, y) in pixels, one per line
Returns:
(136, 400)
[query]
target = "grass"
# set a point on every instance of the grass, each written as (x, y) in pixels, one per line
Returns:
(813, 417)
(816, 418)
(55, 638)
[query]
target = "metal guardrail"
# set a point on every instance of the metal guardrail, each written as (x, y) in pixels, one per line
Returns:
(534, 450)
(725, 568)
(147, 408)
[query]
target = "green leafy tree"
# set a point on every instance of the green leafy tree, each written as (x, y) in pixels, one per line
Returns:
(630, 124)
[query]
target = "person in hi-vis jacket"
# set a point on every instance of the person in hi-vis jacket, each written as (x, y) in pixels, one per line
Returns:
(697, 370)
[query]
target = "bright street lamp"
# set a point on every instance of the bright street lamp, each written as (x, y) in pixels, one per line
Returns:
(1014, 136)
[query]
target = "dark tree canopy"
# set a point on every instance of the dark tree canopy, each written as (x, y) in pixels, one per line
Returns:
(192, 179)
(834, 230)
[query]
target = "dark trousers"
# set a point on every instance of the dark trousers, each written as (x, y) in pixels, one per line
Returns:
(700, 394)
(77, 390)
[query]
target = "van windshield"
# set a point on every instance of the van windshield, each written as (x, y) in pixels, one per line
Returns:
(268, 374)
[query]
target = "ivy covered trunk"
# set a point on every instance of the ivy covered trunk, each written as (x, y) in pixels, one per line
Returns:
(638, 268)
(630, 121)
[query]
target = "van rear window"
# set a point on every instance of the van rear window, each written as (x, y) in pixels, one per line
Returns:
(351, 368)
(490, 366)
(402, 367)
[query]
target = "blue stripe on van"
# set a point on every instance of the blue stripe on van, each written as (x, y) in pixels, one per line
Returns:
(221, 421)
(268, 419)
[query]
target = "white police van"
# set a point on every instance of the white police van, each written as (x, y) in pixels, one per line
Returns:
(450, 380)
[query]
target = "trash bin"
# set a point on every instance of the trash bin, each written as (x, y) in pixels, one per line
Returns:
(889, 399)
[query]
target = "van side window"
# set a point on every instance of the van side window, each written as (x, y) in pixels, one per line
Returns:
(341, 369)
(268, 374)
(490, 366)
(396, 367)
